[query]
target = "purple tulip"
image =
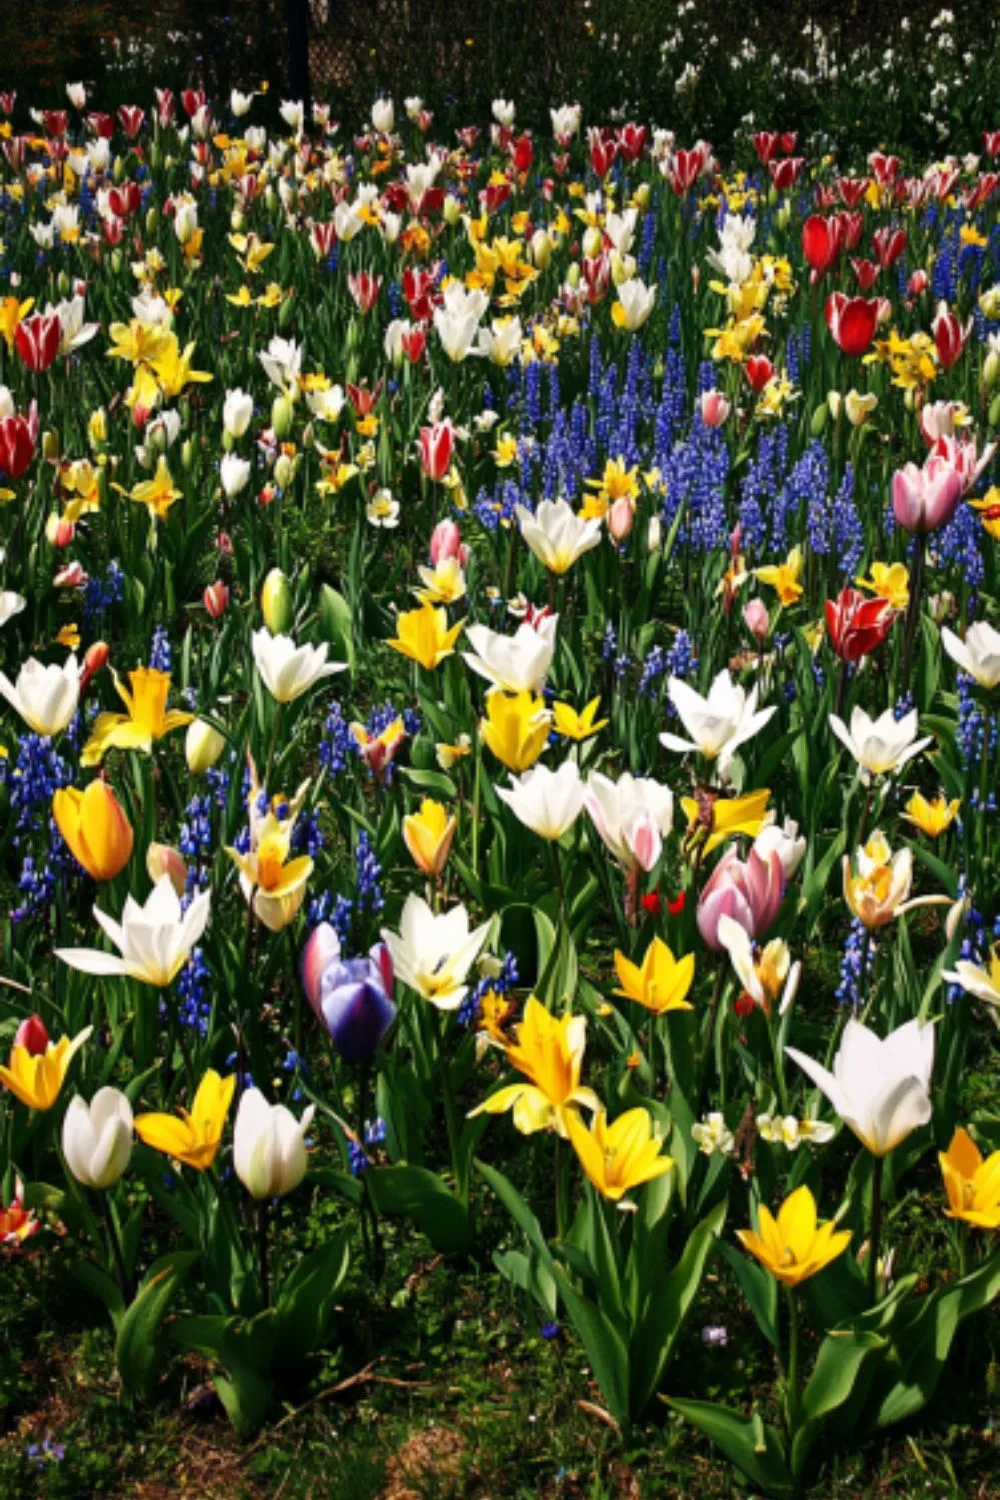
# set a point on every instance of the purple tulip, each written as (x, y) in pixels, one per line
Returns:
(352, 997)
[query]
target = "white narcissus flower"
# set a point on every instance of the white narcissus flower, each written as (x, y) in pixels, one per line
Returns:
(288, 670)
(984, 984)
(269, 1151)
(978, 654)
(234, 472)
(45, 697)
(879, 1087)
(632, 816)
(880, 745)
(519, 663)
(548, 802)
(556, 534)
(718, 724)
(237, 410)
(154, 941)
(97, 1138)
(433, 953)
(635, 303)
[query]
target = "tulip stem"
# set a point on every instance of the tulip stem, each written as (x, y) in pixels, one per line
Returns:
(560, 1176)
(792, 1375)
(115, 1245)
(875, 1235)
(912, 612)
(450, 1117)
(265, 1277)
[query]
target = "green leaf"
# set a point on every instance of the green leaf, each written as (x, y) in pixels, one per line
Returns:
(244, 1350)
(753, 1446)
(307, 1298)
(517, 1208)
(833, 1380)
(336, 623)
(429, 781)
(758, 1287)
(420, 1195)
(97, 1283)
(605, 1340)
(138, 1348)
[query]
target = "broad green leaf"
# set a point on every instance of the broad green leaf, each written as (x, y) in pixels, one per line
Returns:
(138, 1348)
(754, 1447)
(420, 1195)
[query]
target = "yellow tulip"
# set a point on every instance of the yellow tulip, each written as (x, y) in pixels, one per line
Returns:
(193, 1138)
(724, 817)
(794, 1246)
(660, 983)
(428, 836)
(37, 1078)
(516, 727)
(784, 578)
(95, 827)
(148, 718)
(620, 1156)
(548, 1050)
(424, 635)
(578, 726)
(972, 1184)
(931, 817)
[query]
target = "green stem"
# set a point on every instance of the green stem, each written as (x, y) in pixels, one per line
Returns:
(115, 1245)
(792, 1381)
(265, 1280)
(450, 1116)
(560, 1176)
(912, 613)
(875, 1235)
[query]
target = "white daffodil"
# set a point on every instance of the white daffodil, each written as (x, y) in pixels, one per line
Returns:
(548, 802)
(154, 941)
(45, 697)
(880, 745)
(879, 1087)
(718, 724)
(556, 534)
(433, 953)
(288, 670)
(978, 654)
(519, 663)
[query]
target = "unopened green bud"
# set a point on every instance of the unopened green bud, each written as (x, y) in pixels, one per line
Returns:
(276, 602)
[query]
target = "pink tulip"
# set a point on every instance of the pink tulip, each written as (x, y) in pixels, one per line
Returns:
(749, 891)
(714, 408)
(924, 499)
(757, 620)
(642, 838)
(446, 542)
(620, 518)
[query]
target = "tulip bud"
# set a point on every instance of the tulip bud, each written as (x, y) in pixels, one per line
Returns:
(452, 210)
(573, 276)
(269, 1154)
(541, 249)
(654, 534)
(991, 369)
(593, 242)
(216, 599)
(97, 427)
(97, 1138)
(757, 620)
(203, 744)
(276, 602)
(116, 261)
(284, 470)
(236, 221)
(642, 195)
(32, 1036)
(270, 199)
(620, 518)
(95, 828)
(308, 435)
(821, 415)
(286, 313)
(162, 860)
(59, 533)
(835, 402)
(784, 213)
(62, 282)
(51, 446)
(282, 412)
(994, 412)
(95, 660)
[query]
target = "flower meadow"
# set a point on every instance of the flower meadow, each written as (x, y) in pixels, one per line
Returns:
(499, 714)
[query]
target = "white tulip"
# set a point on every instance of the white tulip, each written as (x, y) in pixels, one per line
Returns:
(97, 1138)
(269, 1152)
(503, 111)
(282, 361)
(433, 953)
(635, 303)
(880, 745)
(632, 816)
(234, 472)
(240, 103)
(326, 404)
(556, 534)
(45, 697)
(237, 410)
(565, 121)
(502, 341)
(548, 802)
(293, 113)
(783, 840)
(288, 670)
(11, 604)
(517, 663)
(155, 940)
(383, 116)
(718, 724)
(879, 1088)
(203, 744)
(978, 654)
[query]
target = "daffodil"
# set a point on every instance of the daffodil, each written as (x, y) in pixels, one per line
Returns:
(620, 1156)
(428, 835)
(192, 1138)
(424, 635)
(515, 728)
(147, 721)
(784, 577)
(578, 726)
(794, 1246)
(890, 581)
(548, 1051)
(36, 1078)
(448, 756)
(932, 817)
(984, 984)
(157, 494)
(972, 1184)
(660, 983)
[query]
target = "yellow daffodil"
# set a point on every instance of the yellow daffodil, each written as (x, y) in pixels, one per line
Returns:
(972, 1184)
(448, 756)
(794, 1246)
(148, 719)
(515, 728)
(95, 827)
(425, 636)
(275, 884)
(889, 581)
(428, 835)
(621, 1156)
(578, 726)
(157, 494)
(784, 577)
(68, 636)
(505, 452)
(934, 816)
(241, 298)
(173, 369)
(252, 251)
(616, 483)
(138, 342)
(717, 819)
(660, 983)
(37, 1078)
(193, 1138)
(80, 484)
(548, 1050)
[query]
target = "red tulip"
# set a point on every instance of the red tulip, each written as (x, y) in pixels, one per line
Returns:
(130, 118)
(17, 445)
(759, 370)
(101, 124)
(7, 101)
(436, 446)
(884, 168)
(852, 189)
(95, 660)
(851, 225)
(364, 288)
(32, 1036)
(685, 167)
(56, 121)
(602, 153)
(216, 599)
(787, 141)
(37, 340)
(522, 154)
(164, 106)
(949, 335)
(765, 143)
(821, 242)
(852, 320)
(991, 141)
(866, 273)
(192, 100)
(856, 624)
(888, 245)
(785, 173)
(414, 342)
(632, 141)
